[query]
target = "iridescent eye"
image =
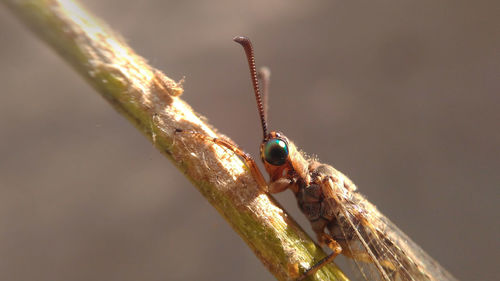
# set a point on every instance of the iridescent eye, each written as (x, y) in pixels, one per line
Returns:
(275, 152)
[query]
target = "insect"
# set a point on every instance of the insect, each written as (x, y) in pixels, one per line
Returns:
(342, 218)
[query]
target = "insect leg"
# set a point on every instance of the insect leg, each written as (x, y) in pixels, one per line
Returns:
(328, 214)
(249, 162)
(332, 244)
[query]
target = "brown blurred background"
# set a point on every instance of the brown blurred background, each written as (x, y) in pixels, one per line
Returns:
(402, 97)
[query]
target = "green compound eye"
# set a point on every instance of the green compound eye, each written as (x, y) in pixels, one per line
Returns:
(275, 152)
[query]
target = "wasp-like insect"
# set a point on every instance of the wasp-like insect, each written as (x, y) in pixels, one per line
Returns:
(341, 218)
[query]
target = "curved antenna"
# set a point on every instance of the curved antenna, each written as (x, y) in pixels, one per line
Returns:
(247, 45)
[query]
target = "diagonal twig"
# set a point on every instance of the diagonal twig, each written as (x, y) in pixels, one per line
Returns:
(150, 100)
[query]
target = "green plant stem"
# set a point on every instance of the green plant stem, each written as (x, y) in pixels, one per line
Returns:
(151, 102)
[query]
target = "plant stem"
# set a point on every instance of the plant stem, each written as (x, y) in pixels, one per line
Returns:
(150, 100)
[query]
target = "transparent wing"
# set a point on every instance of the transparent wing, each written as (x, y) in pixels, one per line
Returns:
(378, 248)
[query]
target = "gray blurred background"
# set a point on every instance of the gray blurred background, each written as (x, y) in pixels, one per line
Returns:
(402, 97)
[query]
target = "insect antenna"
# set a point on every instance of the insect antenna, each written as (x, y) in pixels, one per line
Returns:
(247, 46)
(264, 76)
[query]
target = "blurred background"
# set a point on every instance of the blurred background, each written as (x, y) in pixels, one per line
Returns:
(402, 97)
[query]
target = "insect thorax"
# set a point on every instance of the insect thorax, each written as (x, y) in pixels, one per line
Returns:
(310, 197)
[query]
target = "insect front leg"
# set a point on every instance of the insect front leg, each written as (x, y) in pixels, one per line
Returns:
(279, 185)
(249, 162)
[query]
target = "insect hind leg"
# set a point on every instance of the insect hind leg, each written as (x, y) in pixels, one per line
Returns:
(249, 162)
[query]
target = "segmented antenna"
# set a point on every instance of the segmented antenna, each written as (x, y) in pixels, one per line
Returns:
(247, 45)
(264, 76)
